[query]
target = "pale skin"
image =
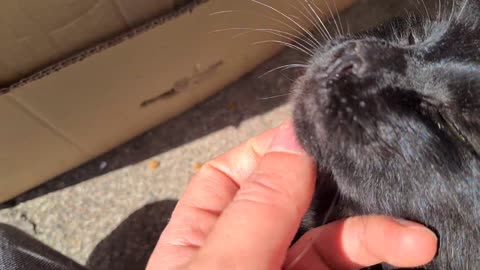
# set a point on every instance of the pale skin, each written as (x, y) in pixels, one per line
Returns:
(243, 208)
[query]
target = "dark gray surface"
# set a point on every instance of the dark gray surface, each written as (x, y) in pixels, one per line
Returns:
(109, 212)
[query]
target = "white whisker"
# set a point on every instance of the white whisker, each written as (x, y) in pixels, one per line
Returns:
(310, 4)
(452, 13)
(319, 19)
(312, 20)
(221, 12)
(290, 19)
(284, 67)
(293, 41)
(288, 78)
(332, 15)
(439, 10)
(426, 10)
(338, 17)
(312, 43)
(272, 97)
(293, 46)
(465, 4)
(288, 36)
(417, 6)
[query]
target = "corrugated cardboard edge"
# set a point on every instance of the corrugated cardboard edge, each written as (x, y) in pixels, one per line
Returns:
(82, 55)
(96, 114)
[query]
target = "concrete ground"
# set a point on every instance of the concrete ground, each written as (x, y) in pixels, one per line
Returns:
(108, 213)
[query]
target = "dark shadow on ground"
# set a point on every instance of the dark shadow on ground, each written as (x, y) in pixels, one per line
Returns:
(129, 246)
(246, 98)
(242, 100)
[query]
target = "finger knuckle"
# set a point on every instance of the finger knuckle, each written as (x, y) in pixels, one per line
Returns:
(262, 189)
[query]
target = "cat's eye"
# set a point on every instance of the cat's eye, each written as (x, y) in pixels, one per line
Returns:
(411, 39)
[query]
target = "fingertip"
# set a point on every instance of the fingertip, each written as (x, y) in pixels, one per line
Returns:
(380, 239)
(267, 207)
(285, 140)
(417, 245)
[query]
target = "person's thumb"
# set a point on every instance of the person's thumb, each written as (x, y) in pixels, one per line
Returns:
(360, 242)
(256, 229)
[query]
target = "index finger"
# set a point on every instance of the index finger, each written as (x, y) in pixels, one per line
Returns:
(208, 193)
(258, 226)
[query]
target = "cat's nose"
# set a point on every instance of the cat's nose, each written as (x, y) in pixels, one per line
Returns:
(346, 63)
(361, 59)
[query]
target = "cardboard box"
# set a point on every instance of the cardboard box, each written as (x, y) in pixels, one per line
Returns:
(32, 36)
(79, 81)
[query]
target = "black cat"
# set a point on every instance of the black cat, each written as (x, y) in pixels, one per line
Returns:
(393, 115)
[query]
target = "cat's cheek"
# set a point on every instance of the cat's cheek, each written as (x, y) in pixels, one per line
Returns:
(308, 128)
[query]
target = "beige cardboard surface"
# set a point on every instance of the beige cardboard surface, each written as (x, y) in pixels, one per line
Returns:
(59, 121)
(26, 147)
(34, 33)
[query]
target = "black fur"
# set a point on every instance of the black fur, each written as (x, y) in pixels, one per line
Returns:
(394, 115)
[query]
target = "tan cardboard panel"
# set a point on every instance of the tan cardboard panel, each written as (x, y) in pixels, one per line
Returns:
(136, 12)
(30, 150)
(35, 33)
(92, 106)
(98, 101)
(101, 20)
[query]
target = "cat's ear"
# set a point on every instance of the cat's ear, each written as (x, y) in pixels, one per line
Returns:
(464, 126)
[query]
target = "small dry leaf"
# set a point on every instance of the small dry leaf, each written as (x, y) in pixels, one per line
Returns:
(232, 106)
(154, 164)
(197, 165)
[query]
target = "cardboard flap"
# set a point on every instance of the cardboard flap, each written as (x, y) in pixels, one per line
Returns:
(37, 33)
(89, 103)
(27, 145)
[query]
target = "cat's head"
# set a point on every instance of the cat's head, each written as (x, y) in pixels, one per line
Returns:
(407, 92)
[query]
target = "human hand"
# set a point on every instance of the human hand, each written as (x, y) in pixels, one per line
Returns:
(242, 210)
